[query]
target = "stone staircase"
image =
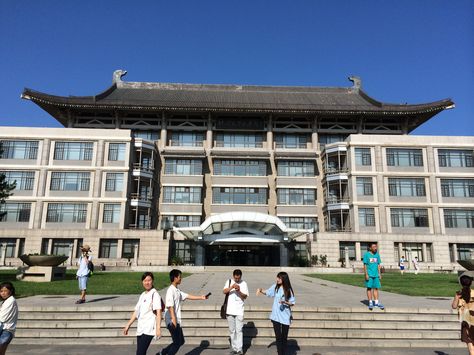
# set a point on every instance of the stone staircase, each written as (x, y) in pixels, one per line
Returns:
(312, 326)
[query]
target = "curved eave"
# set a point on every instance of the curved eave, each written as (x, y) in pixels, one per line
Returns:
(93, 103)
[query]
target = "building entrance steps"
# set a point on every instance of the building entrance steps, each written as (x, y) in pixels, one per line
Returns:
(326, 314)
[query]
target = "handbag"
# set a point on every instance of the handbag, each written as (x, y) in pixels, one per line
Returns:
(224, 305)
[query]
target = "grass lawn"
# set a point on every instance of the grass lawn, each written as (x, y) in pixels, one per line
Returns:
(103, 283)
(433, 285)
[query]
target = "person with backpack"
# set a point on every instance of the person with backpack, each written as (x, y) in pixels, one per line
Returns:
(148, 312)
(464, 302)
(84, 271)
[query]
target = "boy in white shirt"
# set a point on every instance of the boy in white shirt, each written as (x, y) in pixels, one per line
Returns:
(174, 298)
(238, 291)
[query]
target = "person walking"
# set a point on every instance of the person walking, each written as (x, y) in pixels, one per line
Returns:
(373, 276)
(401, 264)
(416, 265)
(283, 300)
(174, 298)
(8, 315)
(464, 302)
(238, 291)
(148, 312)
(83, 271)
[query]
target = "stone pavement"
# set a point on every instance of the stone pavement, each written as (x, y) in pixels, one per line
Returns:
(86, 349)
(309, 292)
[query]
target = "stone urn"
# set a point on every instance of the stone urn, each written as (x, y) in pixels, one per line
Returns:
(43, 260)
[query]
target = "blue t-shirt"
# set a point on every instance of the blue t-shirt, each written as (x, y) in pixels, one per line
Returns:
(281, 313)
(372, 262)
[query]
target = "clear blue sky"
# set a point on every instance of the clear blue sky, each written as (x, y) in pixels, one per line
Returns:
(404, 51)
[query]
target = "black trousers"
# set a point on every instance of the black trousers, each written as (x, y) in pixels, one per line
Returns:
(143, 342)
(281, 335)
(177, 337)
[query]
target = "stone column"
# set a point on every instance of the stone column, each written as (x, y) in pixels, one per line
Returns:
(408, 259)
(270, 133)
(423, 251)
(314, 134)
(283, 254)
(358, 254)
(50, 246)
(135, 255)
(119, 248)
(3, 256)
(70, 255)
(346, 257)
(209, 135)
(163, 133)
(455, 252)
(400, 251)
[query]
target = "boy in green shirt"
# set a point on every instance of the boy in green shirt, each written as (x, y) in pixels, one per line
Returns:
(373, 276)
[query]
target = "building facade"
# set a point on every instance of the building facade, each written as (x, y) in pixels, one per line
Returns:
(153, 173)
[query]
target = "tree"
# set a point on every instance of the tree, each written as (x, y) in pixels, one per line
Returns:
(5, 186)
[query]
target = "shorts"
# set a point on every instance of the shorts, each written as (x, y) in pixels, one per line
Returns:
(82, 282)
(5, 337)
(373, 282)
(402, 267)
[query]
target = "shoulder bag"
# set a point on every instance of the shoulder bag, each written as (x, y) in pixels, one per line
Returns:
(224, 305)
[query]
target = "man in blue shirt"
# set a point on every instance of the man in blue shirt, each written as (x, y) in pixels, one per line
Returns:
(373, 276)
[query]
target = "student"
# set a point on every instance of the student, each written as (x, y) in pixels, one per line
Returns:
(8, 315)
(83, 272)
(238, 292)
(373, 276)
(174, 298)
(401, 264)
(464, 302)
(283, 300)
(148, 312)
(416, 265)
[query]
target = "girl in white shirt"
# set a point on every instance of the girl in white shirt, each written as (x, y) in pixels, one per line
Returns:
(148, 313)
(8, 315)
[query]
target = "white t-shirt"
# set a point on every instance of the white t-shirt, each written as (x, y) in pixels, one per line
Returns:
(174, 297)
(147, 303)
(9, 314)
(235, 304)
(415, 263)
(83, 269)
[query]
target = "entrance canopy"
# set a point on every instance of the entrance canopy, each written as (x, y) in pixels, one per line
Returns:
(242, 227)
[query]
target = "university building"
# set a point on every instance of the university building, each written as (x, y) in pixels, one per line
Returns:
(156, 173)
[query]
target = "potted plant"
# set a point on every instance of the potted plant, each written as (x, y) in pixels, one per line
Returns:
(43, 259)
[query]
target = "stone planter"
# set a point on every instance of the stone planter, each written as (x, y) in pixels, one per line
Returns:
(43, 260)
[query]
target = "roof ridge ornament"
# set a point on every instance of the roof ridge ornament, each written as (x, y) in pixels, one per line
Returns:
(356, 81)
(117, 76)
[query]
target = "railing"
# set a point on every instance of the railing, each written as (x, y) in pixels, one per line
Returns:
(137, 196)
(333, 171)
(339, 229)
(332, 201)
(222, 144)
(174, 143)
(144, 168)
(139, 226)
(291, 146)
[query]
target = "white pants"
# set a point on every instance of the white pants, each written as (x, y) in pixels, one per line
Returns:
(236, 324)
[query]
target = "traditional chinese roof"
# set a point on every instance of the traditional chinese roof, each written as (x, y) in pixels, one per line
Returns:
(232, 98)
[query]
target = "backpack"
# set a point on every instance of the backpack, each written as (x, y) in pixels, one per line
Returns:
(90, 267)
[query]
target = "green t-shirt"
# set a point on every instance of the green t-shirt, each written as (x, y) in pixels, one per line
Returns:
(372, 261)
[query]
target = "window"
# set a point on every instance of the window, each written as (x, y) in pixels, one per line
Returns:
(406, 187)
(330, 138)
(296, 196)
(128, 248)
(62, 246)
(117, 151)
(457, 187)
(66, 213)
(455, 218)
(15, 212)
(10, 244)
(455, 158)
(73, 150)
(295, 168)
(114, 182)
(183, 167)
(65, 181)
(301, 222)
(181, 194)
(350, 249)
(185, 250)
(24, 179)
(239, 195)
(363, 157)
(180, 221)
(239, 140)
(187, 139)
(18, 150)
(108, 248)
(414, 249)
(364, 186)
(291, 141)
(463, 251)
(79, 243)
(364, 247)
(366, 217)
(111, 213)
(409, 217)
(404, 157)
(240, 167)
(149, 135)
